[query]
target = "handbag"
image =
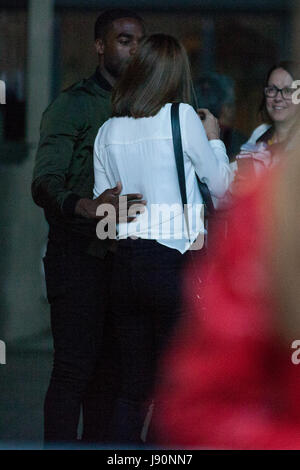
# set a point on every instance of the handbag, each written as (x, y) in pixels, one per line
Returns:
(209, 209)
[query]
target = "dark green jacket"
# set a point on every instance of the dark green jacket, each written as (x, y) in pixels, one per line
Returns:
(63, 171)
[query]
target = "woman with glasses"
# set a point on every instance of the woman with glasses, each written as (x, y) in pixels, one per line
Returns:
(278, 108)
(279, 111)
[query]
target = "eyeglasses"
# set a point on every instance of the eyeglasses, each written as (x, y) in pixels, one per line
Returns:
(272, 91)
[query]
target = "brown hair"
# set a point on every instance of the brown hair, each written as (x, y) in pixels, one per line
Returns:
(159, 73)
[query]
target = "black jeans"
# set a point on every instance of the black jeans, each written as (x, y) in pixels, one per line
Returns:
(85, 367)
(146, 305)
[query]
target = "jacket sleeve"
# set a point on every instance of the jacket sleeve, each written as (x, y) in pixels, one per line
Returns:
(60, 127)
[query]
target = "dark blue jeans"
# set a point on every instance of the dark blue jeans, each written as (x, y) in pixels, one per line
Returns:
(146, 305)
(85, 368)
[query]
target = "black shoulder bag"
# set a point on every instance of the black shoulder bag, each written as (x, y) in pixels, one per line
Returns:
(209, 209)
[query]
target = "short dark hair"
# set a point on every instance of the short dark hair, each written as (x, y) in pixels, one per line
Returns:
(158, 73)
(290, 66)
(105, 20)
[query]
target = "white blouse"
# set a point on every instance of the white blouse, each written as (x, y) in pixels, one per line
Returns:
(139, 153)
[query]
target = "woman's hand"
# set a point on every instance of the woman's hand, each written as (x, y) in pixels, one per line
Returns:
(210, 123)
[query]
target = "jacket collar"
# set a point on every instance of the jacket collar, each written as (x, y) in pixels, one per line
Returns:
(98, 78)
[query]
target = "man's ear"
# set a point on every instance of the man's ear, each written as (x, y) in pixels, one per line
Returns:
(99, 44)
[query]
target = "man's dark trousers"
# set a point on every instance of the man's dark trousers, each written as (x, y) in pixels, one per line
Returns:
(84, 363)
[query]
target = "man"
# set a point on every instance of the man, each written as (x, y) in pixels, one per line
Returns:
(77, 281)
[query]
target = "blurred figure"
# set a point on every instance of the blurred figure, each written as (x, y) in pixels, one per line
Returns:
(136, 147)
(235, 384)
(216, 93)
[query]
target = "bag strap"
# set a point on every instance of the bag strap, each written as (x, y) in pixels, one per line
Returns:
(177, 144)
(206, 196)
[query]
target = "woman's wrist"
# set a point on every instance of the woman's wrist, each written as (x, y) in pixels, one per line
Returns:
(213, 137)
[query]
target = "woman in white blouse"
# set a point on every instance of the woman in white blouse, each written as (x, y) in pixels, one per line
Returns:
(135, 148)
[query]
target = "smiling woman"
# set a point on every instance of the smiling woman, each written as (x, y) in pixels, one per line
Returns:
(278, 107)
(278, 110)
(280, 114)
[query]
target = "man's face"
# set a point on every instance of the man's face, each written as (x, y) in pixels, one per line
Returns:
(119, 45)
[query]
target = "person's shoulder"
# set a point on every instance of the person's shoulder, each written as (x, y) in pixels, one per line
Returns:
(104, 131)
(83, 87)
(258, 132)
(185, 107)
(187, 113)
(70, 103)
(73, 96)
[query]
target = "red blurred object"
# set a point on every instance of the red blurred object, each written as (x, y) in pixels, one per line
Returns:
(246, 167)
(232, 385)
